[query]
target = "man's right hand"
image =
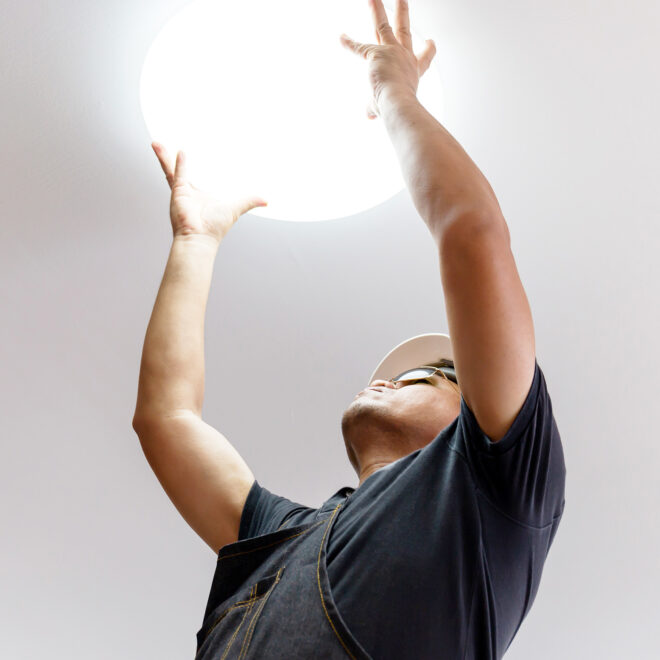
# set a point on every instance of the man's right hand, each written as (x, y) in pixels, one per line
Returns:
(194, 212)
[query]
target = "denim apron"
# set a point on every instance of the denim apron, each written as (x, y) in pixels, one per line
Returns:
(270, 598)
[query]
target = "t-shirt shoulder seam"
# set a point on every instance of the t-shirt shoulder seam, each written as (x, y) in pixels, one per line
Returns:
(515, 520)
(483, 495)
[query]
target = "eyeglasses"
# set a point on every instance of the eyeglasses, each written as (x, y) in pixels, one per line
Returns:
(425, 372)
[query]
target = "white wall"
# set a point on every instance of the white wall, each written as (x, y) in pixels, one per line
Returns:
(557, 103)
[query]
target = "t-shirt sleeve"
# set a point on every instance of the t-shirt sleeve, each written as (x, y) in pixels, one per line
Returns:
(523, 474)
(264, 512)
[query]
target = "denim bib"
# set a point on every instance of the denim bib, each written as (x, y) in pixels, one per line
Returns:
(270, 598)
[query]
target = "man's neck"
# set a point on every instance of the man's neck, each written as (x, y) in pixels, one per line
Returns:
(373, 467)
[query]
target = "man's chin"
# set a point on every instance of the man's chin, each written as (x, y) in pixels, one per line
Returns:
(350, 415)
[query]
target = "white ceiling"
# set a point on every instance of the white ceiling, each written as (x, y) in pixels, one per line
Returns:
(558, 104)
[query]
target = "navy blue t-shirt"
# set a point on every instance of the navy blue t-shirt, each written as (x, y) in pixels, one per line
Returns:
(441, 552)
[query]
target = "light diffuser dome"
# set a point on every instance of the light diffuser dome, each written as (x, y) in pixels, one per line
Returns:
(265, 100)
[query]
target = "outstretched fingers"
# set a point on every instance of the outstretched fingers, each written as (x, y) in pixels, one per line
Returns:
(165, 161)
(180, 170)
(355, 46)
(383, 31)
(381, 23)
(402, 24)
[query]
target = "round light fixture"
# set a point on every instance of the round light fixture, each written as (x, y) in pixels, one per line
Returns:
(265, 100)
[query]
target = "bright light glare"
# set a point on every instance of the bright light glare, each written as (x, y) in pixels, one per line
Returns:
(266, 101)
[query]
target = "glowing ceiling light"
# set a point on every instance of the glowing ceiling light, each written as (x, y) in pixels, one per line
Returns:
(266, 101)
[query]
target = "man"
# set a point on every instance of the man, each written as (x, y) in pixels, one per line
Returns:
(438, 552)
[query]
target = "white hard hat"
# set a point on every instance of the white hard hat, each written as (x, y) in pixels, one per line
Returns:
(429, 349)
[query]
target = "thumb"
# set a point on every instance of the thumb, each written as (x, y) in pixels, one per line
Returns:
(249, 204)
(425, 57)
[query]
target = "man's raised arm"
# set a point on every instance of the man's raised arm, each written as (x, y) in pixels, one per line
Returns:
(489, 318)
(201, 472)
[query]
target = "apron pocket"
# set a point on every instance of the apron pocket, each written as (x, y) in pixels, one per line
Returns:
(229, 628)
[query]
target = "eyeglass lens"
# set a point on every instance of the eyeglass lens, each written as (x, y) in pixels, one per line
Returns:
(414, 374)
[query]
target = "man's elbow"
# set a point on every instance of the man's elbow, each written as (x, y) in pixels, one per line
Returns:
(465, 229)
(138, 424)
(143, 422)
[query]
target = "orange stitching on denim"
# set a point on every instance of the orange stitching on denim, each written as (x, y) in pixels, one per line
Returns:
(242, 603)
(223, 615)
(247, 611)
(318, 578)
(251, 627)
(261, 547)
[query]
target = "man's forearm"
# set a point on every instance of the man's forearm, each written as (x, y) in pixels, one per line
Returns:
(443, 180)
(172, 368)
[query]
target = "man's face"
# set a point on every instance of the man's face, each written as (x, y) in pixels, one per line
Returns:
(409, 414)
(421, 403)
